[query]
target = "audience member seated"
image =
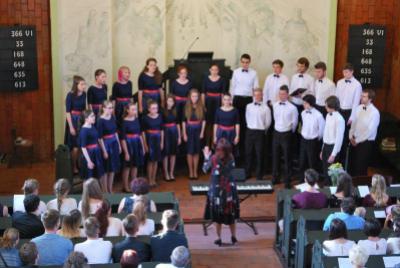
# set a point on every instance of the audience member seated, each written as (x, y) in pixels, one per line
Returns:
(361, 212)
(4, 211)
(109, 226)
(180, 258)
(28, 223)
(139, 187)
(393, 242)
(392, 212)
(76, 260)
(131, 226)
(31, 186)
(92, 197)
(129, 259)
(377, 196)
(53, 248)
(311, 198)
(62, 202)
(347, 210)
(344, 189)
(29, 254)
(8, 250)
(146, 226)
(358, 257)
(373, 245)
(337, 245)
(163, 244)
(71, 225)
(95, 249)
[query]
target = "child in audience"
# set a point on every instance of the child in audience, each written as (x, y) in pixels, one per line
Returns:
(337, 245)
(31, 186)
(92, 197)
(29, 254)
(76, 260)
(373, 245)
(109, 226)
(70, 226)
(139, 187)
(62, 202)
(146, 226)
(377, 196)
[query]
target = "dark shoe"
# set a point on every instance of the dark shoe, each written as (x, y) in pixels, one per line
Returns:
(218, 242)
(234, 240)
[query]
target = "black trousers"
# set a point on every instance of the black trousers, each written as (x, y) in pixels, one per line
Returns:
(322, 109)
(240, 102)
(309, 153)
(255, 143)
(360, 158)
(346, 115)
(282, 145)
(326, 153)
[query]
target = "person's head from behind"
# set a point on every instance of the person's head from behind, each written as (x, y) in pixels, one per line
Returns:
(223, 150)
(396, 226)
(31, 203)
(332, 104)
(131, 225)
(395, 212)
(51, 220)
(76, 260)
(258, 95)
(180, 257)
(28, 254)
(10, 238)
(358, 256)
(61, 190)
(140, 209)
(170, 220)
(31, 186)
(102, 214)
(345, 185)
(140, 186)
(308, 101)
(378, 189)
(337, 229)
(311, 176)
(91, 190)
(71, 223)
(302, 65)
(348, 206)
(245, 60)
(277, 66)
(372, 228)
(360, 211)
(92, 227)
(320, 70)
(283, 93)
(129, 259)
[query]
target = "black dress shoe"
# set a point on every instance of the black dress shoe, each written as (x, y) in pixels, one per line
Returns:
(218, 242)
(234, 240)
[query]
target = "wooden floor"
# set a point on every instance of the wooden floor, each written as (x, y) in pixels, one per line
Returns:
(251, 251)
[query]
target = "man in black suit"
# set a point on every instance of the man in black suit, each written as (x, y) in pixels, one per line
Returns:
(163, 244)
(131, 226)
(28, 223)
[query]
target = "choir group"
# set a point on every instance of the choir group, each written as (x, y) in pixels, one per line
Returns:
(309, 118)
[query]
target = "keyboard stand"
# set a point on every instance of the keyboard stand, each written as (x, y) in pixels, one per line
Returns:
(207, 224)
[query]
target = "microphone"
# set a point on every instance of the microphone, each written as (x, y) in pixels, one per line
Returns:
(191, 45)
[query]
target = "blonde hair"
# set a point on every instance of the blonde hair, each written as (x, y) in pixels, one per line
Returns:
(70, 226)
(10, 238)
(198, 111)
(104, 105)
(378, 189)
(358, 256)
(61, 187)
(140, 209)
(91, 189)
(30, 185)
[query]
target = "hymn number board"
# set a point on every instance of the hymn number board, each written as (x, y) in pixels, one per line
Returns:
(366, 53)
(18, 58)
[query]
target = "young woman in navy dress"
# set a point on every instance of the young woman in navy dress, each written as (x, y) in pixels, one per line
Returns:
(213, 88)
(193, 126)
(227, 124)
(180, 88)
(109, 142)
(97, 93)
(122, 91)
(91, 158)
(154, 139)
(150, 85)
(75, 104)
(132, 145)
(172, 138)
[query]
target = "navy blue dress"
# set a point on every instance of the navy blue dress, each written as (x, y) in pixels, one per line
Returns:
(122, 95)
(181, 92)
(152, 128)
(96, 96)
(88, 138)
(130, 132)
(150, 90)
(170, 134)
(193, 131)
(107, 130)
(74, 105)
(213, 91)
(226, 121)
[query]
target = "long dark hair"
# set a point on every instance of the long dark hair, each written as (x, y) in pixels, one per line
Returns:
(157, 73)
(345, 185)
(83, 118)
(173, 110)
(76, 80)
(102, 216)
